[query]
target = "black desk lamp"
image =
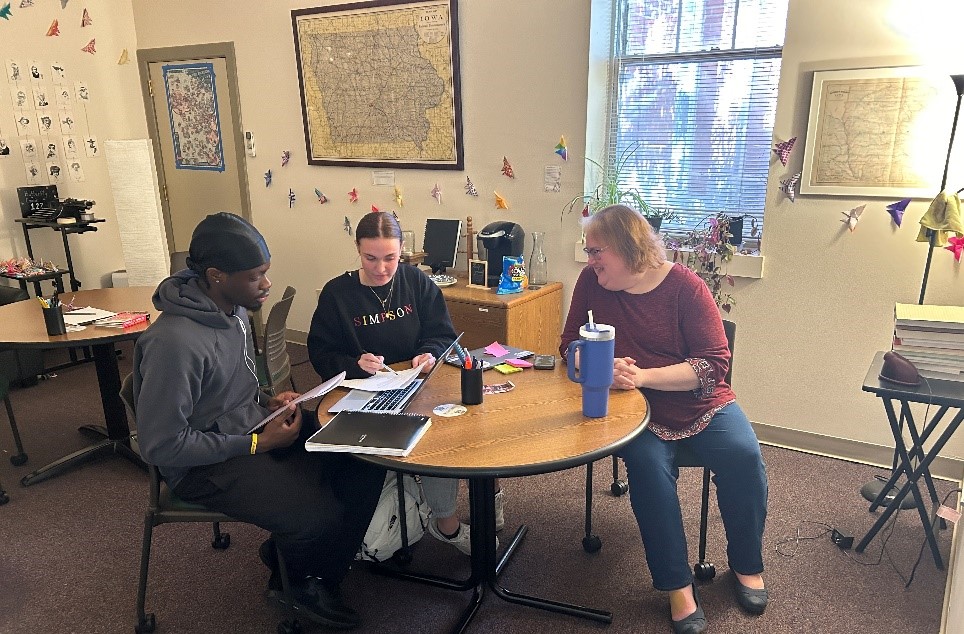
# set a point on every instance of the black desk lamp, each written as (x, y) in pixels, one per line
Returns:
(872, 489)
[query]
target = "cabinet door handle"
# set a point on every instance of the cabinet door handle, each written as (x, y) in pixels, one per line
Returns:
(483, 310)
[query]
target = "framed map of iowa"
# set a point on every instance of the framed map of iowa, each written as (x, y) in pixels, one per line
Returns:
(380, 83)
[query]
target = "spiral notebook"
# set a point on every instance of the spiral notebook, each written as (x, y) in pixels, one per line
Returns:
(370, 432)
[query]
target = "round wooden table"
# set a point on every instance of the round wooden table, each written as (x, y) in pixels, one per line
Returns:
(535, 428)
(23, 327)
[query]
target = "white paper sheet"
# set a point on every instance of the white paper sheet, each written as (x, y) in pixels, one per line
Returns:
(382, 381)
(318, 391)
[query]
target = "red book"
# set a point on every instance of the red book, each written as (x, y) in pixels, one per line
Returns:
(124, 320)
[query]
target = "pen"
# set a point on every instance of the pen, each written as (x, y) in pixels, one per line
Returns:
(384, 366)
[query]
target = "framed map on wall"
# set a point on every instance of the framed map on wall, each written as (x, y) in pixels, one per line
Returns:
(877, 132)
(380, 83)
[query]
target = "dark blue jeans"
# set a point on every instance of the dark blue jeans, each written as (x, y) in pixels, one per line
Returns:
(730, 449)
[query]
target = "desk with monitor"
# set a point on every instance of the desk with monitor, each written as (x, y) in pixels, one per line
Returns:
(536, 428)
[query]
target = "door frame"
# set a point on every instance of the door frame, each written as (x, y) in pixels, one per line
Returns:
(225, 50)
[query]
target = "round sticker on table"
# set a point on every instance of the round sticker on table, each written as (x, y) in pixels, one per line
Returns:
(450, 409)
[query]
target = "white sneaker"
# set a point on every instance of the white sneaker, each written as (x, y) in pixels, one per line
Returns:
(462, 539)
(500, 510)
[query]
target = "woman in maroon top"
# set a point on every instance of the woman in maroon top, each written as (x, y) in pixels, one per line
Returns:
(670, 345)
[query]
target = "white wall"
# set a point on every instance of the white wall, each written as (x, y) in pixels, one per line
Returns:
(114, 112)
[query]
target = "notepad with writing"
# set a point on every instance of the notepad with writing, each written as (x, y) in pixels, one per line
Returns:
(370, 432)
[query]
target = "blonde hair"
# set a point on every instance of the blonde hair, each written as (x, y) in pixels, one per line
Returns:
(628, 233)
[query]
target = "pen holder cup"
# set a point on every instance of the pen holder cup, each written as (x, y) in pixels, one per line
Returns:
(471, 386)
(54, 320)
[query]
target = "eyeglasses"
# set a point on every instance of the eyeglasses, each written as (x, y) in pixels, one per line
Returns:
(594, 251)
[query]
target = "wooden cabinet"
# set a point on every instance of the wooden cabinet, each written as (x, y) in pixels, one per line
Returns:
(531, 319)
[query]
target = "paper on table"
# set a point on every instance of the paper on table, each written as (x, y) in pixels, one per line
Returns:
(86, 315)
(321, 390)
(496, 350)
(382, 381)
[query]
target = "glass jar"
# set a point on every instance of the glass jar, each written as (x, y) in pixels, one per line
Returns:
(538, 267)
(408, 242)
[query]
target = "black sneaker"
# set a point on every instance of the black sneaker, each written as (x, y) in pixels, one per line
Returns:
(322, 605)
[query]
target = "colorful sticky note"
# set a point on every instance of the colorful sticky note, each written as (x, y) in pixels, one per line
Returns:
(507, 369)
(518, 363)
(496, 349)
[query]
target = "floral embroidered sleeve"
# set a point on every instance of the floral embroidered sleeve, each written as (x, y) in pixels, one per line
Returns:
(704, 372)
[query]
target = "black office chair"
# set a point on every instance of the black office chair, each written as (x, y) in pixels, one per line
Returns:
(20, 457)
(166, 508)
(703, 570)
(4, 498)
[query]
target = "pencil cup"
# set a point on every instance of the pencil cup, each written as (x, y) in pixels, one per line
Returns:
(54, 320)
(471, 386)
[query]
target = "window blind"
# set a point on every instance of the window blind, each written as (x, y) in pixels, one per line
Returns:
(694, 90)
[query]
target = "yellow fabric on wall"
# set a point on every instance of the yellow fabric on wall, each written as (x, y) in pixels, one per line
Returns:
(944, 217)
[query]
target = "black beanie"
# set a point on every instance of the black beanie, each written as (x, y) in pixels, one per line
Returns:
(226, 242)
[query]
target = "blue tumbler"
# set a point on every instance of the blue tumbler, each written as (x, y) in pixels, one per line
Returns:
(596, 351)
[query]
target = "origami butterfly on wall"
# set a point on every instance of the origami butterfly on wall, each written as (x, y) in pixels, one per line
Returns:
(86, 21)
(5, 11)
(561, 149)
(285, 157)
(470, 187)
(437, 194)
(347, 226)
(500, 202)
(398, 197)
(787, 186)
(353, 195)
(955, 245)
(267, 178)
(90, 48)
(54, 29)
(291, 198)
(896, 210)
(507, 168)
(783, 150)
(851, 217)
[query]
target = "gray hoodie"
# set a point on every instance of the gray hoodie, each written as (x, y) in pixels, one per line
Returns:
(195, 387)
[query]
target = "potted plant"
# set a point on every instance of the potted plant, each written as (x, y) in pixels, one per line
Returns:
(705, 250)
(611, 191)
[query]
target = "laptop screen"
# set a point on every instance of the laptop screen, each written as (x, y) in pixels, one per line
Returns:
(439, 362)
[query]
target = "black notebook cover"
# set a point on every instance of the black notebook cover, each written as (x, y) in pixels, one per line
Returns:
(370, 432)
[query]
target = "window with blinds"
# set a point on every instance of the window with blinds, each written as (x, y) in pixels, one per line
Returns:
(694, 90)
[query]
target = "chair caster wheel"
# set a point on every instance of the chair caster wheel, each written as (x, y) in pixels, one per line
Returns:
(18, 460)
(591, 543)
(4, 498)
(222, 541)
(619, 487)
(402, 556)
(704, 571)
(289, 627)
(147, 624)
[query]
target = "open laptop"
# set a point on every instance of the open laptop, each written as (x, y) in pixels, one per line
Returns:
(389, 401)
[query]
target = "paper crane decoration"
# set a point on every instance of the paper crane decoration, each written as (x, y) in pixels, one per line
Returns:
(26, 3)
(347, 226)
(124, 58)
(322, 199)
(90, 47)
(437, 194)
(375, 209)
(54, 29)
(63, 4)
(470, 187)
(507, 168)
(852, 217)
(85, 21)
(787, 186)
(291, 198)
(955, 245)
(285, 157)
(353, 195)
(5, 11)
(267, 178)
(561, 149)
(500, 202)
(398, 197)
(896, 210)
(783, 150)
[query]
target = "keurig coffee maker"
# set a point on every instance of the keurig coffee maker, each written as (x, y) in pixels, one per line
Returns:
(500, 238)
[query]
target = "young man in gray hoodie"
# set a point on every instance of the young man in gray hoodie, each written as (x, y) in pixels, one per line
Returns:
(197, 396)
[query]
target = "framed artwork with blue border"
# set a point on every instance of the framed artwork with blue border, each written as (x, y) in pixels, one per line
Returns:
(192, 103)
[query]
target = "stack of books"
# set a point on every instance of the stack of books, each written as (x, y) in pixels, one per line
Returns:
(932, 338)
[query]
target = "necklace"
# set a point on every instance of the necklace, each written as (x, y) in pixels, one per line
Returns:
(384, 302)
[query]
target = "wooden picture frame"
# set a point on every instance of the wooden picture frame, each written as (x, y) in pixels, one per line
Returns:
(877, 132)
(380, 83)
(478, 273)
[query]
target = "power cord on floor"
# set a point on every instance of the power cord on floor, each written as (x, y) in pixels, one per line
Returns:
(920, 553)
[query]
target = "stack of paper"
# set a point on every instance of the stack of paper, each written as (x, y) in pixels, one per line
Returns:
(932, 337)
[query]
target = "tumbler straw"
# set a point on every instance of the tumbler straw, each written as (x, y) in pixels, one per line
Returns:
(592, 324)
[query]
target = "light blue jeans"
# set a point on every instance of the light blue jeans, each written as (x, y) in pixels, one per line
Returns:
(731, 450)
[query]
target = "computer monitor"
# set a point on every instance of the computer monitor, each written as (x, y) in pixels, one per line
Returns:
(441, 243)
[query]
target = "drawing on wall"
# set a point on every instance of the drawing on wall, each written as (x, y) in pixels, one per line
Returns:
(873, 132)
(192, 104)
(380, 83)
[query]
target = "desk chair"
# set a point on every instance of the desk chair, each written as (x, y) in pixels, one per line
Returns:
(165, 508)
(178, 261)
(20, 457)
(703, 570)
(4, 498)
(273, 363)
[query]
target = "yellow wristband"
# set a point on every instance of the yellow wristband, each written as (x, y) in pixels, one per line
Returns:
(254, 444)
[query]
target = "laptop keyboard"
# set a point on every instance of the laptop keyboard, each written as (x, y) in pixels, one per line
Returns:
(389, 400)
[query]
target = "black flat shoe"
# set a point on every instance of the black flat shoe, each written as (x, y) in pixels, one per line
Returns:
(695, 623)
(322, 605)
(751, 600)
